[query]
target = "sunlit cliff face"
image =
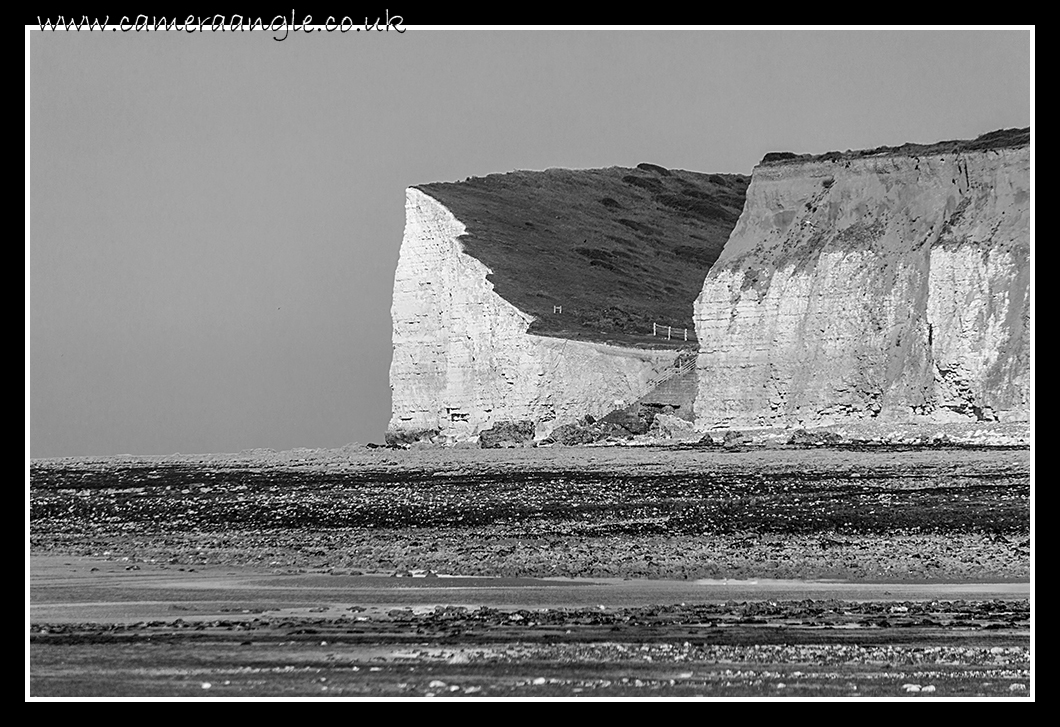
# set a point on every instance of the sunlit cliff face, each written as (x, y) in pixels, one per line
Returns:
(890, 286)
(463, 360)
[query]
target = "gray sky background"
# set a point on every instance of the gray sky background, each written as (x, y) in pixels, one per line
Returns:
(216, 218)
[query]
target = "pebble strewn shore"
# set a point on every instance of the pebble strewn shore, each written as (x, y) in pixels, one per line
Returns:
(904, 514)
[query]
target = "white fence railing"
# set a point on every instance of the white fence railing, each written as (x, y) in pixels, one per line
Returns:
(672, 332)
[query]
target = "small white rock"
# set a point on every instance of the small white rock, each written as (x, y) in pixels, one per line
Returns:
(911, 687)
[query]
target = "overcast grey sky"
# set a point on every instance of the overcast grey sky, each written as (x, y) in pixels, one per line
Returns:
(215, 218)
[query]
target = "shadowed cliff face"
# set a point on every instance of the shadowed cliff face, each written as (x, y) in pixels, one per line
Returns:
(894, 285)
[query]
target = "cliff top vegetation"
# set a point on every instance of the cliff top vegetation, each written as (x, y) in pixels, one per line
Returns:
(1000, 139)
(616, 248)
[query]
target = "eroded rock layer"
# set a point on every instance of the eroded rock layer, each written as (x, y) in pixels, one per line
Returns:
(892, 285)
(463, 360)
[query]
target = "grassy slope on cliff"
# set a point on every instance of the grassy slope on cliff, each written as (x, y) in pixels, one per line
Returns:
(617, 248)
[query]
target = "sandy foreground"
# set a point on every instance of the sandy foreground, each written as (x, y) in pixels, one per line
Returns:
(889, 570)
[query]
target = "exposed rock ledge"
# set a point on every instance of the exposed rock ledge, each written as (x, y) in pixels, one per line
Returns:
(894, 287)
(463, 360)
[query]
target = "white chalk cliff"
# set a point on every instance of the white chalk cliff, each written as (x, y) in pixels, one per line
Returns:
(894, 286)
(463, 360)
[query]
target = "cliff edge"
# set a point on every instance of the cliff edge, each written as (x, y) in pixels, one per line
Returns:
(892, 283)
(597, 254)
(463, 360)
(529, 297)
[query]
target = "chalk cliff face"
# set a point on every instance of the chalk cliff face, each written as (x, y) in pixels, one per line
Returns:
(891, 285)
(463, 360)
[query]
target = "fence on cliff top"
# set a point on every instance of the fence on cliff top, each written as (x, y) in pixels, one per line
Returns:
(672, 332)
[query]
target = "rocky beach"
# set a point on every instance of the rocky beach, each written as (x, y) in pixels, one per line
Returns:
(219, 547)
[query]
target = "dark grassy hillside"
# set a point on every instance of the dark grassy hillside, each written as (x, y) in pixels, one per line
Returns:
(617, 248)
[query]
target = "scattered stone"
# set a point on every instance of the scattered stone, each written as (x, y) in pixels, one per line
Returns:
(574, 434)
(803, 438)
(734, 439)
(667, 426)
(405, 438)
(635, 419)
(504, 435)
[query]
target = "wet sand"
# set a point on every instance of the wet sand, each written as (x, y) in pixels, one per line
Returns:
(76, 590)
